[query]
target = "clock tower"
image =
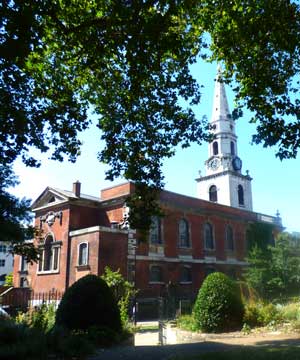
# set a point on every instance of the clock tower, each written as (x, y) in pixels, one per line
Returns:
(224, 182)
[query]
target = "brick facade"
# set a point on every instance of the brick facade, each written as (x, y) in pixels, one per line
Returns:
(77, 224)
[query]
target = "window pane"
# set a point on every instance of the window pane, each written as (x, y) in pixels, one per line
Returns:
(213, 194)
(23, 264)
(155, 231)
(41, 260)
(186, 274)
(156, 274)
(215, 148)
(55, 260)
(229, 238)
(83, 254)
(184, 233)
(232, 150)
(208, 236)
(241, 195)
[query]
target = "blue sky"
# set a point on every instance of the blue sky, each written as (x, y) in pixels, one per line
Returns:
(275, 184)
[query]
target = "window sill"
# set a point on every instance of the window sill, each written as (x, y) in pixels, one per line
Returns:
(48, 272)
(156, 282)
(185, 282)
(83, 267)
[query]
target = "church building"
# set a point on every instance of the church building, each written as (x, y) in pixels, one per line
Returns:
(81, 234)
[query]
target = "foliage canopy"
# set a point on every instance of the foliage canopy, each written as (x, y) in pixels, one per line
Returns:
(274, 271)
(129, 61)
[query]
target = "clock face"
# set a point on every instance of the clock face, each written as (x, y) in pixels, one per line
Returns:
(214, 164)
(237, 163)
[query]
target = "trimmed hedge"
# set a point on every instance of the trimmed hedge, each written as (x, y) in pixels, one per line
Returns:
(88, 302)
(218, 306)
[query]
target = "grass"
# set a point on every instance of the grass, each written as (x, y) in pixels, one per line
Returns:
(146, 328)
(186, 322)
(270, 353)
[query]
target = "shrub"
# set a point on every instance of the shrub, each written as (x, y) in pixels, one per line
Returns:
(269, 314)
(186, 322)
(88, 302)
(291, 312)
(18, 342)
(251, 314)
(41, 318)
(123, 292)
(218, 306)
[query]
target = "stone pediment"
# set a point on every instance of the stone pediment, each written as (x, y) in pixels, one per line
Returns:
(50, 197)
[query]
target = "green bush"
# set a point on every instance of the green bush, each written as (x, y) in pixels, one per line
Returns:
(291, 312)
(18, 342)
(269, 314)
(252, 314)
(218, 306)
(186, 322)
(123, 291)
(41, 318)
(88, 302)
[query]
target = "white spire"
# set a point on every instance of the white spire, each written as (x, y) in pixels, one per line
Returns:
(220, 103)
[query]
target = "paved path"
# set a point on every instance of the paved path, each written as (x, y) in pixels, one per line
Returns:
(156, 352)
(167, 352)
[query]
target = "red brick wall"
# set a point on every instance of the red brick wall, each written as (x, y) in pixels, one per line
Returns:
(113, 252)
(77, 272)
(83, 216)
(117, 191)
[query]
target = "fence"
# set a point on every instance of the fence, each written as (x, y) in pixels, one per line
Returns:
(20, 299)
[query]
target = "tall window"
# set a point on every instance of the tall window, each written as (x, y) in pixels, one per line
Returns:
(155, 230)
(49, 255)
(241, 195)
(156, 274)
(229, 238)
(184, 239)
(83, 254)
(23, 282)
(208, 237)
(232, 149)
(213, 193)
(23, 264)
(215, 148)
(186, 274)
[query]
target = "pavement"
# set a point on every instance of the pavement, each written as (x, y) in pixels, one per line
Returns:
(147, 348)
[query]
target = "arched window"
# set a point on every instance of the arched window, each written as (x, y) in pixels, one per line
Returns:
(155, 231)
(208, 237)
(215, 148)
(83, 254)
(184, 239)
(241, 195)
(232, 149)
(186, 274)
(156, 274)
(49, 255)
(213, 193)
(229, 238)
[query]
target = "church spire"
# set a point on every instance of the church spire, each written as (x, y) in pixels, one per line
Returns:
(220, 109)
(224, 181)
